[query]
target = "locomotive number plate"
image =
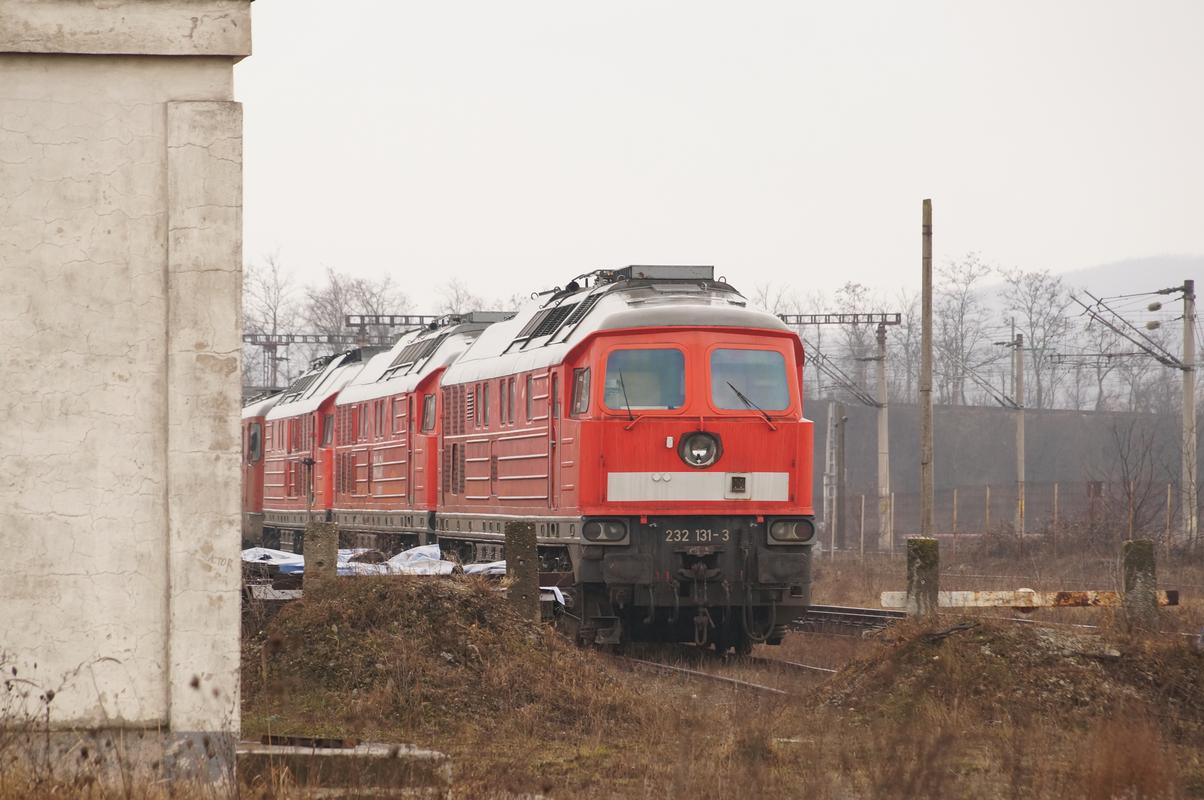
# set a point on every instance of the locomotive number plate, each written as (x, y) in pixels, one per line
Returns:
(708, 535)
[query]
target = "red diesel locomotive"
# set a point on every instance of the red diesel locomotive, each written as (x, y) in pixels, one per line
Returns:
(645, 420)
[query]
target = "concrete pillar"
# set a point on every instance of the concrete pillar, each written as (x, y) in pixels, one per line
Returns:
(120, 271)
(923, 576)
(1140, 584)
(522, 568)
(321, 553)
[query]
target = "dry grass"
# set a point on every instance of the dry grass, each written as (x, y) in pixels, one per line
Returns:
(998, 710)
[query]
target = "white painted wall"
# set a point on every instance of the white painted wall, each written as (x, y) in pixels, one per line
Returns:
(120, 269)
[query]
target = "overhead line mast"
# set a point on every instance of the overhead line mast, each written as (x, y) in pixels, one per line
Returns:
(1104, 314)
(886, 532)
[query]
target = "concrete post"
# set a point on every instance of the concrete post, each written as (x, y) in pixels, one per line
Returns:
(927, 474)
(840, 539)
(1187, 486)
(1018, 355)
(321, 553)
(522, 569)
(923, 576)
(885, 534)
(1140, 599)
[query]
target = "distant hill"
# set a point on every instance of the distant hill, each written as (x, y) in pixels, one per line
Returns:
(1136, 274)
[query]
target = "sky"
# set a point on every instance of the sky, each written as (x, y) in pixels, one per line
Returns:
(515, 145)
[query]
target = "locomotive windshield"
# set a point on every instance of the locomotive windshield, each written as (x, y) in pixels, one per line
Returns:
(643, 380)
(743, 379)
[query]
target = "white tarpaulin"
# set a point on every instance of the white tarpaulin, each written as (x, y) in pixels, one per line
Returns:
(424, 560)
(490, 568)
(285, 562)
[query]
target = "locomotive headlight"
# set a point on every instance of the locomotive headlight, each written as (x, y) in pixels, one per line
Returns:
(791, 531)
(604, 530)
(700, 449)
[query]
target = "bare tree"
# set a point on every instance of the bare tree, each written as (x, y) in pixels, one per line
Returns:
(269, 301)
(457, 299)
(328, 304)
(854, 298)
(1136, 469)
(1038, 301)
(1100, 339)
(905, 346)
(775, 298)
(815, 302)
(960, 330)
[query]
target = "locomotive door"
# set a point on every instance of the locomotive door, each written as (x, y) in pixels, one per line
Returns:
(553, 432)
(407, 447)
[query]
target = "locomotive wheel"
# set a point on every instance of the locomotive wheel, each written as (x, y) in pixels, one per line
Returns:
(729, 635)
(591, 614)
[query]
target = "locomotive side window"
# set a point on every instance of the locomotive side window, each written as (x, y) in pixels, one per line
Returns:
(428, 413)
(749, 380)
(254, 443)
(642, 380)
(513, 394)
(399, 415)
(327, 430)
(580, 390)
(530, 397)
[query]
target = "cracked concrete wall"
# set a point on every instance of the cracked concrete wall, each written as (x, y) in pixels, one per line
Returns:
(120, 270)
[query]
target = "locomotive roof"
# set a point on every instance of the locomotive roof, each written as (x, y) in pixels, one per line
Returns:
(261, 406)
(545, 330)
(415, 356)
(307, 392)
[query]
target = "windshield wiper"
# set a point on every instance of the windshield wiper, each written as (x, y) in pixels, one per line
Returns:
(752, 405)
(626, 404)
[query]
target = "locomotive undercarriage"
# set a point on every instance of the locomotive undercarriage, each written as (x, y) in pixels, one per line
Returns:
(707, 580)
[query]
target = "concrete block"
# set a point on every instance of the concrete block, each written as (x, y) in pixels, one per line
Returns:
(923, 576)
(321, 553)
(128, 27)
(522, 568)
(1140, 584)
(377, 770)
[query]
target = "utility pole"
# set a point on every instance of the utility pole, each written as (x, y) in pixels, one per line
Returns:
(927, 484)
(886, 537)
(1018, 383)
(830, 510)
(842, 505)
(1188, 479)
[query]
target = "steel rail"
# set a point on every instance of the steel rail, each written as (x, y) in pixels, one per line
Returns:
(815, 619)
(780, 663)
(736, 682)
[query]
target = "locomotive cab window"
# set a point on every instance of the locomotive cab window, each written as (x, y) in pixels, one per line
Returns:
(580, 391)
(327, 429)
(749, 380)
(428, 413)
(254, 443)
(645, 380)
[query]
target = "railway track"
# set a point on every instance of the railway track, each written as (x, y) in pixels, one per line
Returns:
(778, 663)
(730, 661)
(844, 620)
(697, 673)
